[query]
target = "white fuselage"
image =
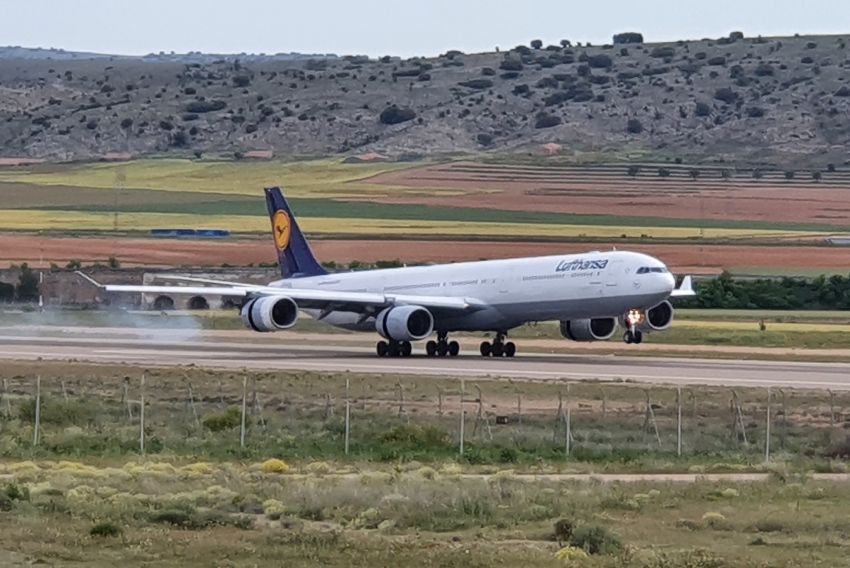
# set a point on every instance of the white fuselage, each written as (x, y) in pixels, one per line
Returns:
(513, 291)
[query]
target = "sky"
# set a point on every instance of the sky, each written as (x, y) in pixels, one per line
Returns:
(386, 27)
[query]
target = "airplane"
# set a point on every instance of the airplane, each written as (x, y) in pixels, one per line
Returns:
(590, 294)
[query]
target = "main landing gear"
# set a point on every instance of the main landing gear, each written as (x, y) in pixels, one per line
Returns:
(498, 348)
(394, 349)
(442, 346)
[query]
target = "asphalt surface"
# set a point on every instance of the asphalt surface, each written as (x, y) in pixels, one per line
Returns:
(149, 347)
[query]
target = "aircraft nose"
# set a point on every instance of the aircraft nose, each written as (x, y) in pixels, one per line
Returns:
(668, 282)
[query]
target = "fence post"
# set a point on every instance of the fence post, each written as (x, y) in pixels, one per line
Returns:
(462, 414)
(142, 417)
(244, 405)
(519, 407)
(125, 398)
(37, 426)
(347, 413)
(7, 405)
(192, 405)
(679, 421)
(767, 428)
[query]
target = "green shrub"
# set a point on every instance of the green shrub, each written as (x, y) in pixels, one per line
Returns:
(633, 126)
(726, 95)
(662, 52)
(477, 84)
(396, 115)
(596, 539)
(58, 412)
(105, 529)
(200, 107)
(546, 120)
(600, 61)
(227, 420)
(563, 531)
(15, 492)
(511, 64)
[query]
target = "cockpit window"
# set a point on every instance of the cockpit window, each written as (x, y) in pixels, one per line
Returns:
(652, 269)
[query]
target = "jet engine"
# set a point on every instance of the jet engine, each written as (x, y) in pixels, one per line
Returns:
(405, 323)
(658, 318)
(269, 314)
(598, 329)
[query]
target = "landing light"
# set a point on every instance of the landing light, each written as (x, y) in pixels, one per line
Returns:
(635, 317)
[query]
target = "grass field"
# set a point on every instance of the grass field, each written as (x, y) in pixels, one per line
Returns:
(19, 219)
(317, 178)
(320, 189)
(404, 496)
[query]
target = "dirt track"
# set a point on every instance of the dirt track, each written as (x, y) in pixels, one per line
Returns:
(697, 259)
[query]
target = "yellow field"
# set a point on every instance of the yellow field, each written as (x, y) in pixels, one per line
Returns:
(319, 178)
(27, 219)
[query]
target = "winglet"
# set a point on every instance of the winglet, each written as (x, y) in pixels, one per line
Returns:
(685, 290)
(88, 278)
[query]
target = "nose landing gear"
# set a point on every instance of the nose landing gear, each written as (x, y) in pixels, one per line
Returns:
(633, 336)
(498, 348)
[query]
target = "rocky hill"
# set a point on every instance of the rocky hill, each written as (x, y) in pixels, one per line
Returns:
(742, 100)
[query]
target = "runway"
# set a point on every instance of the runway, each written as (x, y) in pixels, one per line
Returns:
(330, 353)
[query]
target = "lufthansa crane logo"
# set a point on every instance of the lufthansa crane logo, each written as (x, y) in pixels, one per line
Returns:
(282, 229)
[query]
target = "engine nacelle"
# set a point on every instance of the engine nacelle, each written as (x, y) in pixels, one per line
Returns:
(658, 318)
(269, 314)
(405, 323)
(598, 329)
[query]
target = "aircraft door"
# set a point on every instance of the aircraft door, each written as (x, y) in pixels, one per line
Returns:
(611, 277)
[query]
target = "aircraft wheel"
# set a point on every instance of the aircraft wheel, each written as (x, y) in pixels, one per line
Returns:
(486, 349)
(638, 337)
(431, 348)
(498, 350)
(454, 348)
(442, 348)
(382, 348)
(510, 349)
(405, 349)
(392, 349)
(627, 337)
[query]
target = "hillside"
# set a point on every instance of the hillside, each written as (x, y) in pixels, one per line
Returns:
(776, 101)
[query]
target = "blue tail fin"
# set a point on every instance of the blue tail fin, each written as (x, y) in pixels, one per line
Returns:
(293, 252)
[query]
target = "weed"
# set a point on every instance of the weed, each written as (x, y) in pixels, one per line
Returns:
(596, 539)
(106, 529)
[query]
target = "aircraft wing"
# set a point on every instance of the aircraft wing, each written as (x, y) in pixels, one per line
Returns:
(306, 298)
(685, 290)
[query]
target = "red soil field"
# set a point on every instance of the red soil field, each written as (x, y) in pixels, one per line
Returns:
(695, 259)
(610, 191)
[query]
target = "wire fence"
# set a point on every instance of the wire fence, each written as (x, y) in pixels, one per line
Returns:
(402, 418)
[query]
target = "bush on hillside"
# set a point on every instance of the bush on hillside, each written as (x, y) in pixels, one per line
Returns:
(628, 37)
(546, 120)
(200, 107)
(396, 115)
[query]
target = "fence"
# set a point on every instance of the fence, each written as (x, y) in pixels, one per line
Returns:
(388, 418)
